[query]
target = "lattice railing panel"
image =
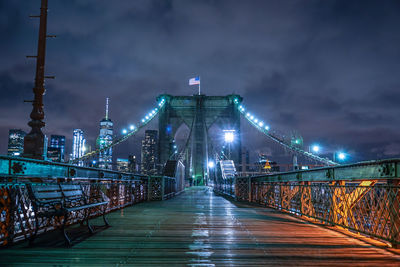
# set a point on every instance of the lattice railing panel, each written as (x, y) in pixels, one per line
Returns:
(372, 210)
(17, 218)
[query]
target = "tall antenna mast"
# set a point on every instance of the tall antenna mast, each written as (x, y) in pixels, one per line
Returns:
(34, 140)
(107, 108)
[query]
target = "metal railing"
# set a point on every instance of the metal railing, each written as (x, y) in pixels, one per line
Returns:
(119, 189)
(362, 197)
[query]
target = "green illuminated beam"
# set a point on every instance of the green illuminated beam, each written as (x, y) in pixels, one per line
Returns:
(259, 125)
(123, 138)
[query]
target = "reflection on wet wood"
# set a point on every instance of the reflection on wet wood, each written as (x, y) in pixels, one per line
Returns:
(198, 228)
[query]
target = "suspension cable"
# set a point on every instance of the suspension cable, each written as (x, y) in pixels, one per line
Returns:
(132, 131)
(265, 129)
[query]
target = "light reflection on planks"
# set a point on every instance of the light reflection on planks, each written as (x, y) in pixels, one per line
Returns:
(198, 228)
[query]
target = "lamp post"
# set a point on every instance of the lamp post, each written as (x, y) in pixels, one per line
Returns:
(34, 140)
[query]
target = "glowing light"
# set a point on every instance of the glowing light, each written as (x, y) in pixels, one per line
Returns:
(124, 131)
(229, 136)
(341, 156)
(143, 120)
(147, 117)
(132, 127)
(211, 164)
(315, 148)
(255, 120)
(260, 124)
(248, 114)
(266, 127)
(251, 117)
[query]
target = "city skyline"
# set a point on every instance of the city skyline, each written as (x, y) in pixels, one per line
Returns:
(328, 83)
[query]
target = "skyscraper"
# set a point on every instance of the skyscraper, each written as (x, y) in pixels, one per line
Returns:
(133, 167)
(105, 139)
(149, 153)
(78, 145)
(15, 142)
(122, 165)
(56, 151)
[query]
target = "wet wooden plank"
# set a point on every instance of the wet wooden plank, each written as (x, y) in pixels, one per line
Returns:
(198, 228)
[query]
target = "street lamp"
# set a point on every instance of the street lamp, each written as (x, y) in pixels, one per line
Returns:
(211, 164)
(315, 148)
(340, 156)
(229, 136)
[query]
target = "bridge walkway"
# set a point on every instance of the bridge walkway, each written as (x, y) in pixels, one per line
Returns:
(199, 228)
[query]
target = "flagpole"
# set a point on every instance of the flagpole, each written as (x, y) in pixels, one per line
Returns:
(199, 84)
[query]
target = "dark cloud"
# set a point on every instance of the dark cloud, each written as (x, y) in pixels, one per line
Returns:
(326, 69)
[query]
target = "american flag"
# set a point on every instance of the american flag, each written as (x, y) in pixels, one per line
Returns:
(195, 80)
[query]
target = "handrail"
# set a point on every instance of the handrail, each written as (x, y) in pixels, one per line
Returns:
(361, 197)
(375, 169)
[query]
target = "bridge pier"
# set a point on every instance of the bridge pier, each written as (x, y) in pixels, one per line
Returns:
(199, 113)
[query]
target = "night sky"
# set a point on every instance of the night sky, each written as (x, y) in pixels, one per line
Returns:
(326, 69)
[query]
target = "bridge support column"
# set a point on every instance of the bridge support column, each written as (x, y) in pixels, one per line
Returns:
(199, 144)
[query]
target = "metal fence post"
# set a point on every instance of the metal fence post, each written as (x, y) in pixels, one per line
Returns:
(250, 198)
(394, 206)
(163, 187)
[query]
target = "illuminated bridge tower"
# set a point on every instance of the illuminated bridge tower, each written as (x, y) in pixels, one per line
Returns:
(199, 113)
(105, 138)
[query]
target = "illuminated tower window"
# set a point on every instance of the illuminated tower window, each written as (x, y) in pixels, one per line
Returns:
(105, 139)
(78, 145)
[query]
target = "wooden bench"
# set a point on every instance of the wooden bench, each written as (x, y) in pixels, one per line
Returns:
(64, 201)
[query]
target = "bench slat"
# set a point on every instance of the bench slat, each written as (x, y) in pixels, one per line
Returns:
(77, 193)
(40, 188)
(70, 187)
(48, 195)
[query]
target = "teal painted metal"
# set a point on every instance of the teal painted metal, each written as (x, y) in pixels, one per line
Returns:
(198, 112)
(362, 197)
(121, 189)
(14, 167)
(377, 169)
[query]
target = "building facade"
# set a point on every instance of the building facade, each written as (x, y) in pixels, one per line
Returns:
(78, 145)
(15, 142)
(56, 151)
(123, 165)
(105, 139)
(149, 153)
(133, 166)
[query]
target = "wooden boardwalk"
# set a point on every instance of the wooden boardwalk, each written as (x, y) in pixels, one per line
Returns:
(199, 228)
